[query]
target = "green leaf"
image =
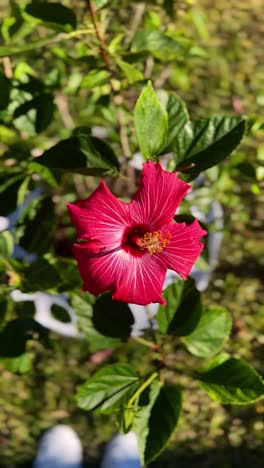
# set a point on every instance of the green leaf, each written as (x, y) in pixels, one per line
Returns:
(23, 190)
(14, 336)
(83, 306)
(156, 419)
(5, 88)
(232, 382)
(172, 295)
(182, 312)
(44, 106)
(8, 192)
(178, 117)
(83, 154)
(112, 318)
(211, 332)
(130, 71)
(40, 275)
(156, 42)
(6, 244)
(52, 15)
(151, 122)
(68, 272)
(44, 172)
(95, 78)
(205, 143)
(36, 228)
(108, 389)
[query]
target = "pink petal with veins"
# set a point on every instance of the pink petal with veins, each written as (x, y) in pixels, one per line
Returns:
(158, 196)
(184, 248)
(101, 218)
(132, 279)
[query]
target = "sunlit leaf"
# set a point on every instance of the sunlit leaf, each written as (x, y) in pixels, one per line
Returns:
(211, 332)
(156, 419)
(233, 381)
(108, 389)
(81, 153)
(151, 122)
(205, 143)
(132, 73)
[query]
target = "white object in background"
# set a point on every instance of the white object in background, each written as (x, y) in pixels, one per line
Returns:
(4, 223)
(43, 303)
(59, 447)
(122, 452)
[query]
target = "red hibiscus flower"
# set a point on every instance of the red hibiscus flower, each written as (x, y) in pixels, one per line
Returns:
(128, 247)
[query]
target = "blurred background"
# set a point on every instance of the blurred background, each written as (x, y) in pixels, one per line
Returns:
(217, 69)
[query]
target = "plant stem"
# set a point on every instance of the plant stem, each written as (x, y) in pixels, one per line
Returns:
(142, 388)
(100, 38)
(144, 342)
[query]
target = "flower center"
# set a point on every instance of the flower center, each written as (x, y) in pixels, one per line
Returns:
(152, 242)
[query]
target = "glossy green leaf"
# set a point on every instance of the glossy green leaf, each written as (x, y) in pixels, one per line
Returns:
(132, 73)
(172, 295)
(151, 122)
(183, 310)
(232, 382)
(108, 389)
(211, 332)
(178, 117)
(156, 419)
(82, 153)
(52, 15)
(83, 306)
(156, 42)
(205, 143)
(112, 318)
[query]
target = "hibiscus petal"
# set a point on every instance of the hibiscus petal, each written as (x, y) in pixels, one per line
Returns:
(101, 218)
(158, 196)
(97, 272)
(184, 248)
(138, 280)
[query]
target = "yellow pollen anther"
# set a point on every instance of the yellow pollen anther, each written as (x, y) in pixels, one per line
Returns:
(155, 242)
